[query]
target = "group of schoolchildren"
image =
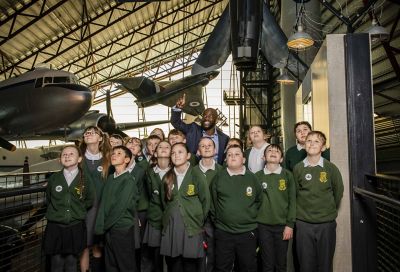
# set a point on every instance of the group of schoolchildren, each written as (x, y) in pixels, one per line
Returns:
(137, 207)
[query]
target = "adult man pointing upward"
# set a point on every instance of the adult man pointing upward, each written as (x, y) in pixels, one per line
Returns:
(194, 132)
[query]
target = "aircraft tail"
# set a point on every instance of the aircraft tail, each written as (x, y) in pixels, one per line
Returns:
(139, 87)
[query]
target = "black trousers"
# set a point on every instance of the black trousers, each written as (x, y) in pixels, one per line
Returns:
(241, 247)
(151, 261)
(209, 260)
(60, 262)
(273, 249)
(120, 250)
(180, 264)
(316, 246)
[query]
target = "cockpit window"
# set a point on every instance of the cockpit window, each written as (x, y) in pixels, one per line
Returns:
(61, 80)
(48, 80)
(39, 82)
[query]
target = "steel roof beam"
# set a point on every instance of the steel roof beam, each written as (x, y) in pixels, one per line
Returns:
(132, 35)
(12, 33)
(18, 12)
(58, 39)
(129, 45)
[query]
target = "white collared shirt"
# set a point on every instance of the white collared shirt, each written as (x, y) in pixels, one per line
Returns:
(130, 167)
(204, 169)
(256, 161)
(236, 174)
(70, 175)
(299, 147)
(117, 175)
(93, 157)
(180, 176)
(320, 162)
(276, 171)
(160, 172)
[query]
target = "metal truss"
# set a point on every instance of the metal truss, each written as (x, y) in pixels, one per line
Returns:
(70, 35)
(117, 47)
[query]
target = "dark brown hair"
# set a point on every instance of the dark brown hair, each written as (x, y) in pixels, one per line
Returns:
(274, 146)
(302, 123)
(154, 159)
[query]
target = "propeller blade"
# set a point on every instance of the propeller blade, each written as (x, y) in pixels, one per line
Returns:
(108, 103)
(7, 145)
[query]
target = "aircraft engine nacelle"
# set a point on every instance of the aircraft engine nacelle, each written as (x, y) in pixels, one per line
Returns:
(245, 32)
(93, 118)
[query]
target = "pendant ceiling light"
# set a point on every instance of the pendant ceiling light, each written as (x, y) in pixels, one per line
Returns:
(377, 32)
(285, 78)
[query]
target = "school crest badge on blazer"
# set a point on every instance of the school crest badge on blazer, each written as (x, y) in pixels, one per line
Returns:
(190, 190)
(282, 185)
(323, 177)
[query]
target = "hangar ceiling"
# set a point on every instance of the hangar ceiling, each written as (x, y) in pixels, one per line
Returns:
(100, 40)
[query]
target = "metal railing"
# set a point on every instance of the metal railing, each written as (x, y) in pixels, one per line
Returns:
(387, 199)
(22, 223)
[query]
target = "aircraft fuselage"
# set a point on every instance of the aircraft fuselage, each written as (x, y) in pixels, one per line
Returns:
(39, 101)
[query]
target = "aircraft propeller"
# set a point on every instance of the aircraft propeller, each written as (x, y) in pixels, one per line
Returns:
(7, 145)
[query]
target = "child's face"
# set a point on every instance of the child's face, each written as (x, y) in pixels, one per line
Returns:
(179, 155)
(134, 146)
(151, 145)
(234, 158)
(115, 142)
(119, 157)
(163, 150)
(314, 145)
(256, 134)
(91, 136)
(173, 139)
(273, 155)
(206, 148)
(301, 133)
(158, 132)
(70, 157)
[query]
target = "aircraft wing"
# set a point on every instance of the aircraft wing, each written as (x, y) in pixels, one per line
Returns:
(133, 125)
(194, 100)
(217, 48)
(273, 45)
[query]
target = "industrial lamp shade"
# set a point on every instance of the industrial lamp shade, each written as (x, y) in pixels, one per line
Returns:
(285, 79)
(300, 40)
(378, 33)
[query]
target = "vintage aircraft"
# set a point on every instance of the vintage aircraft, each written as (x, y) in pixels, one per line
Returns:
(149, 92)
(40, 100)
(74, 130)
(245, 27)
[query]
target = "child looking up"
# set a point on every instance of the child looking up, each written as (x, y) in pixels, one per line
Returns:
(116, 215)
(297, 153)
(69, 196)
(277, 213)
(152, 259)
(254, 155)
(186, 203)
(96, 149)
(116, 140)
(319, 187)
(209, 168)
(236, 198)
(177, 136)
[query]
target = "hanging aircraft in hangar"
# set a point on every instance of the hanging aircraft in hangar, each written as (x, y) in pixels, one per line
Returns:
(245, 28)
(51, 104)
(149, 92)
(40, 100)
